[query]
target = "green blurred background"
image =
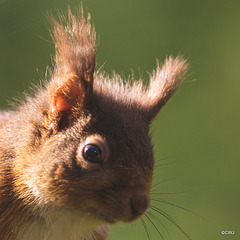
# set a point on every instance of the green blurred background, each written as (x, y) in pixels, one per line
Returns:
(196, 136)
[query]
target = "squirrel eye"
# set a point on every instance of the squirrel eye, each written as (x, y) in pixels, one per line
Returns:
(92, 153)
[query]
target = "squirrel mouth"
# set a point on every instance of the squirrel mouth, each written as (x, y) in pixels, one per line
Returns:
(108, 219)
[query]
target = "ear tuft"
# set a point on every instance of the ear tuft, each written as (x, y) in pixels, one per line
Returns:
(71, 86)
(75, 43)
(163, 84)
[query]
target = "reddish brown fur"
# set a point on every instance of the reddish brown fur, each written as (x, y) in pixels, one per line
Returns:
(45, 179)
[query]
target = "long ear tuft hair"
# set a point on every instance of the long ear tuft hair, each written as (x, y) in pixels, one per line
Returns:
(72, 81)
(75, 43)
(163, 84)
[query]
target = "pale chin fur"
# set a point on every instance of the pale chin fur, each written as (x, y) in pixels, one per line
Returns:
(63, 224)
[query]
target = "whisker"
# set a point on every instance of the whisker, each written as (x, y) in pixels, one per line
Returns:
(164, 164)
(187, 191)
(157, 184)
(161, 212)
(170, 219)
(175, 205)
(164, 193)
(163, 159)
(145, 227)
(154, 226)
(160, 222)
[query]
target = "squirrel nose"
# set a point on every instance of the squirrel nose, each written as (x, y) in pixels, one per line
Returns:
(139, 204)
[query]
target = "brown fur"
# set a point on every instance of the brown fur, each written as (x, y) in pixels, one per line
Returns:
(48, 190)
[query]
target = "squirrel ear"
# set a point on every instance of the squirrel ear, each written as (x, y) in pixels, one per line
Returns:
(72, 82)
(163, 84)
(67, 94)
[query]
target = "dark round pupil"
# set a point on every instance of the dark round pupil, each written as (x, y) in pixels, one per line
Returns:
(92, 153)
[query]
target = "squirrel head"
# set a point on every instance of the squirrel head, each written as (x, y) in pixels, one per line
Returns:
(95, 153)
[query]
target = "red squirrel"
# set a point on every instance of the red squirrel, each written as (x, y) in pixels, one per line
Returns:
(77, 156)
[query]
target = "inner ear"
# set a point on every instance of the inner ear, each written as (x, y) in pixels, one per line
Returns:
(68, 96)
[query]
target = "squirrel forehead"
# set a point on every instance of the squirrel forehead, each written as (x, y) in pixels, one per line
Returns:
(119, 98)
(113, 109)
(129, 92)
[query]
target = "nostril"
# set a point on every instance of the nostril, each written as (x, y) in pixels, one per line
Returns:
(139, 204)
